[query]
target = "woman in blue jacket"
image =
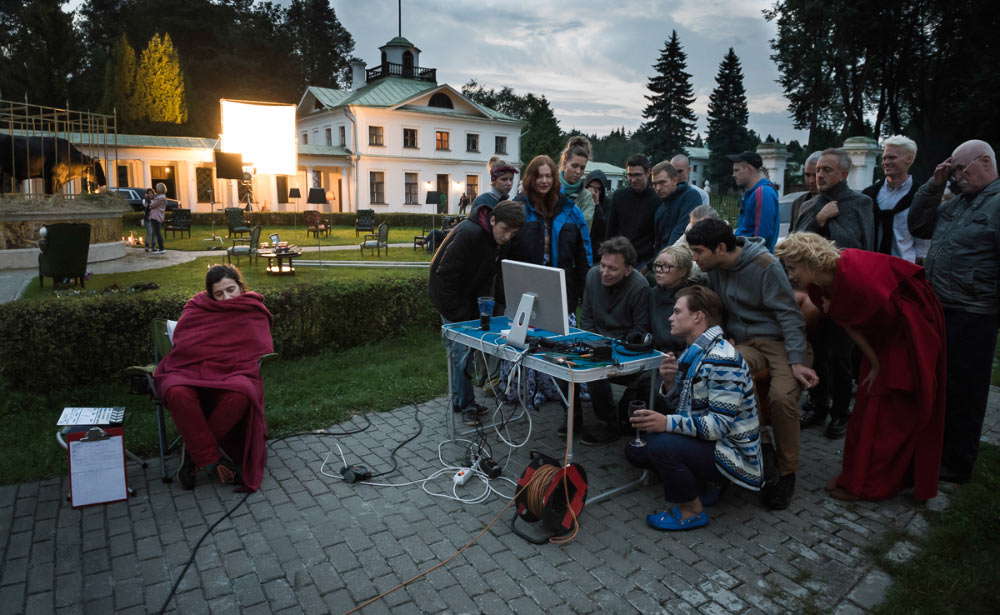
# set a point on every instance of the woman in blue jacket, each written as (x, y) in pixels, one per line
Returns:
(555, 235)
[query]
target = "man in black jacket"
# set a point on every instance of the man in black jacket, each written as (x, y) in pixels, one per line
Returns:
(892, 198)
(633, 211)
(462, 271)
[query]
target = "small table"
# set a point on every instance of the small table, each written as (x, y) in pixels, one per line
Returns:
(287, 254)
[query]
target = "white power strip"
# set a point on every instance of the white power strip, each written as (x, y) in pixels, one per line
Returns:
(461, 477)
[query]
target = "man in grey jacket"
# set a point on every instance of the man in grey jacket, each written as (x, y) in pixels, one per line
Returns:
(765, 321)
(837, 212)
(963, 267)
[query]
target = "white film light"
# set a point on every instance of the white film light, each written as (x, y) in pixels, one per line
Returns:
(264, 133)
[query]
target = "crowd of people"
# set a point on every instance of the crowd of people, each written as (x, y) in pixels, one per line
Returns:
(881, 305)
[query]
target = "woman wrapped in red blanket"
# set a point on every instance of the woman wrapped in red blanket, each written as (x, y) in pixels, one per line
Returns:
(211, 383)
(886, 305)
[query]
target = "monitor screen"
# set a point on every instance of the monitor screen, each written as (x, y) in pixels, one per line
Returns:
(548, 287)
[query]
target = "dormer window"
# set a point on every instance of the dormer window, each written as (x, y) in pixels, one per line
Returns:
(441, 100)
(317, 105)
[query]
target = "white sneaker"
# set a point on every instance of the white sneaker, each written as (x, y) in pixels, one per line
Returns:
(160, 252)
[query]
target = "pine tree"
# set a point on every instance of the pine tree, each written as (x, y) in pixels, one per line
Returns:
(670, 122)
(323, 45)
(119, 82)
(545, 137)
(160, 86)
(727, 121)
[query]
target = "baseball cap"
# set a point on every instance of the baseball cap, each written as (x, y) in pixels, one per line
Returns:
(751, 158)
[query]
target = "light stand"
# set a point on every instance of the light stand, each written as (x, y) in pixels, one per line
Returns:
(294, 193)
(211, 214)
(317, 196)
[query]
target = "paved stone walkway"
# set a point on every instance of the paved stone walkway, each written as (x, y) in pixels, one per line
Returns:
(307, 543)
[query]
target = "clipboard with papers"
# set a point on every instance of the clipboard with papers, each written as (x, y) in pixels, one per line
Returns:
(96, 466)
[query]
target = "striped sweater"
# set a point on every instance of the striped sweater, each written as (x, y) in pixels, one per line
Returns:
(716, 402)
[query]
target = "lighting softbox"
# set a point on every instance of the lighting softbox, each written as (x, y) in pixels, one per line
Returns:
(228, 166)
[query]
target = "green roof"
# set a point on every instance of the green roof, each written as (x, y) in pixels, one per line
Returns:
(124, 140)
(697, 152)
(399, 40)
(306, 149)
(605, 167)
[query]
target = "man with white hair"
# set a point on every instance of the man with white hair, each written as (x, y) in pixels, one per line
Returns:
(963, 267)
(892, 197)
(683, 166)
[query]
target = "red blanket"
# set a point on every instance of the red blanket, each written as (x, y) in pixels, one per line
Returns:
(217, 345)
(895, 433)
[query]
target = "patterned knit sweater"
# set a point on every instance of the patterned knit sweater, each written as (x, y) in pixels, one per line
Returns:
(716, 402)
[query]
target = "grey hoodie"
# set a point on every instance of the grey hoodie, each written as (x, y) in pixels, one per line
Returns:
(759, 301)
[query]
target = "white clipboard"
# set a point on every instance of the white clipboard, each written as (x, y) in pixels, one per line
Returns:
(97, 468)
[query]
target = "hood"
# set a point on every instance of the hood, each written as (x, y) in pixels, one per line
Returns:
(598, 175)
(753, 247)
(480, 214)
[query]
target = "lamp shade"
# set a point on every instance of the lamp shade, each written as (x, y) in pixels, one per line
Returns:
(433, 197)
(317, 196)
(293, 193)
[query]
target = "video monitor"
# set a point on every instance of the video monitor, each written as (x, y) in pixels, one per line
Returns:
(536, 297)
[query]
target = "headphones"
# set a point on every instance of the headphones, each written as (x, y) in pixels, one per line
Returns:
(636, 342)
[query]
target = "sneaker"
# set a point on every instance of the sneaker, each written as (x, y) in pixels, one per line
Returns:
(470, 417)
(480, 409)
(779, 496)
(769, 463)
(599, 437)
(187, 471)
(836, 429)
(160, 252)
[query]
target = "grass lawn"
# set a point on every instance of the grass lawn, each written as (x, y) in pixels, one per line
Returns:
(339, 236)
(956, 567)
(190, 277)
(308, 393)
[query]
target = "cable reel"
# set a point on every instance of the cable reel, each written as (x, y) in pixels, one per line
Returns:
(550, 493)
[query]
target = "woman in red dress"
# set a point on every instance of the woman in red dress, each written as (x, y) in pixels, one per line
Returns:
(887, 307)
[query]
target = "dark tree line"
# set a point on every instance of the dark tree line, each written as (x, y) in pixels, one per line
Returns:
(922, 68)
(225, 48)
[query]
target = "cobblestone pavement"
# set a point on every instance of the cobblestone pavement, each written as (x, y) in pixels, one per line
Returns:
(313, 544)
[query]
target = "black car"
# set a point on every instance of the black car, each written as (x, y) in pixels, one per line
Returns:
(133, 196)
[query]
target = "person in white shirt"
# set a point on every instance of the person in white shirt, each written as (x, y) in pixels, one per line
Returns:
(892, 197)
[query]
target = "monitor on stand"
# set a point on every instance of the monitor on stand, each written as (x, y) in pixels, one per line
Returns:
(536, 297)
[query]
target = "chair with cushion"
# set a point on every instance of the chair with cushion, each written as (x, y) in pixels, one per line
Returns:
(365, 221)
(180, 222)
(142, 383)
(237, 224)
(63, 255)
(377, 241)
(241, 247)
(316, 223)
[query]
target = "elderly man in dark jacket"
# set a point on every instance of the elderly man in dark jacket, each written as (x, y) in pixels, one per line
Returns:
(963, 267)
(462, 271)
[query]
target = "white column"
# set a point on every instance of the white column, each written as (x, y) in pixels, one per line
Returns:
(147, 176)
(775, 157)
(191, 200)
(863, 152)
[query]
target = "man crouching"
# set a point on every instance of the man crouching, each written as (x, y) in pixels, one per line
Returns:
(714, 437)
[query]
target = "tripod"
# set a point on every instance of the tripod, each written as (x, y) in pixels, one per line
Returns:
(211, 215)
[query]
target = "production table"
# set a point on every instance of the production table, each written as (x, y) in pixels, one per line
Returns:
(493, 342)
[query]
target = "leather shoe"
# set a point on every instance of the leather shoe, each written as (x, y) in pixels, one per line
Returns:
(812, 416)
(599, 437)
(779, 496)
(836, 429)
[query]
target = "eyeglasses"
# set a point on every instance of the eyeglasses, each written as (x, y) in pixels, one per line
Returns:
(964, 169)
(663, 267)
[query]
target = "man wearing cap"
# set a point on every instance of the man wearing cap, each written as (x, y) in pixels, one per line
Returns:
(759, 208)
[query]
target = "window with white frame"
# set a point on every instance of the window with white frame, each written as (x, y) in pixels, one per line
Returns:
(375, 135)
(410, 137)
(472, 142)
(441, 140)
(410, 188)
(329, 136)
(343, 135)
(376, 182)
(472, 185)
(501, 145)
(305, 138)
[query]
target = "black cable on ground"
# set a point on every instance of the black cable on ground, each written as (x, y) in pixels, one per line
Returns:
(392, 455)
(173, 590)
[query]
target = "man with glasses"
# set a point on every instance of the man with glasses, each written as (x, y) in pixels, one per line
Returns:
(963, 267)
(678, 201)
(633, 211)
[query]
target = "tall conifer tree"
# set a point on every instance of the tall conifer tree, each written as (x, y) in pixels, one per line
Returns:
(727, 121)
(160, 82)
(670, 122)
(119, 82)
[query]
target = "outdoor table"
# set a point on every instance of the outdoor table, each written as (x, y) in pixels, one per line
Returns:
(493, 342)
(279, 255)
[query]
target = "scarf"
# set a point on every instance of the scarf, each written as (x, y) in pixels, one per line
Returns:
(570, 190)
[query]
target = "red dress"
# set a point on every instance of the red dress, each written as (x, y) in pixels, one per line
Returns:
(895, 433)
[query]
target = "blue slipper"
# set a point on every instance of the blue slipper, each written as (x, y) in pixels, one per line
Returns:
(711, 493)
(671, 521)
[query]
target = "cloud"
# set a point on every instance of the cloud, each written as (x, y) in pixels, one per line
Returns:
(720, 19)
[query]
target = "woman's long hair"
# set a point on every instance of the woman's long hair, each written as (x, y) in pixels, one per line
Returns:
(544, 204)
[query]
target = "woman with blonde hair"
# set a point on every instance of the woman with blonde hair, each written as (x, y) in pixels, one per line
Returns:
(887, 307)
(671, 271)
(157, 212)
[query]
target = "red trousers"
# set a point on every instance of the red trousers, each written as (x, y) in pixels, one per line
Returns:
(205, 418)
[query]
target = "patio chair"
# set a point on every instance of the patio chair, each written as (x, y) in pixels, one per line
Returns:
(419, 241)
(180, 222)
(316, 223)
(365, 221)
(237, 224)
(377, 241)
(63, 253)
(241, 247)
(141, 377)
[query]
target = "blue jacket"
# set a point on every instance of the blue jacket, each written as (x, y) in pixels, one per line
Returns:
(569, 244)
(673, 215)
(760, 214)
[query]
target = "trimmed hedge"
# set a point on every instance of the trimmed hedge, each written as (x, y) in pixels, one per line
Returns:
(58, 344)
(287, 218)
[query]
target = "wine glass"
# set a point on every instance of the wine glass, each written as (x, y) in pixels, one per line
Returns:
(633, 406)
